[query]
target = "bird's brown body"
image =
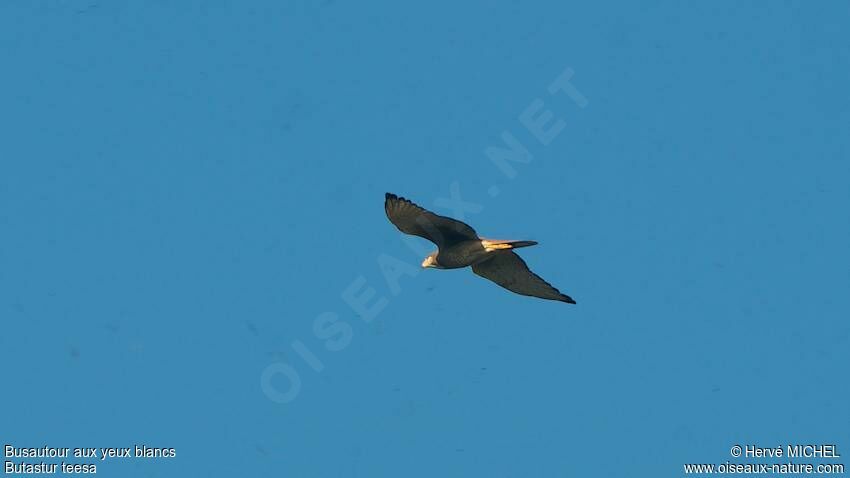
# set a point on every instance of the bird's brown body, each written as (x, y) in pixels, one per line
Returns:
(471, 252)
(462, 254)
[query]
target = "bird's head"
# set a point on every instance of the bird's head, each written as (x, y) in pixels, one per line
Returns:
(430, 261)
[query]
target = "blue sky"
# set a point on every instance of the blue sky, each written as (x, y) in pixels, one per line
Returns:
(186, 188)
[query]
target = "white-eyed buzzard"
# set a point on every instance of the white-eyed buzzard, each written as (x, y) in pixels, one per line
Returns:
(458, 245)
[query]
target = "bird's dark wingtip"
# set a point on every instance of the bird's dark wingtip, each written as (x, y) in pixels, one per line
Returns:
(394, 197)
(568, 299)
(389, 198)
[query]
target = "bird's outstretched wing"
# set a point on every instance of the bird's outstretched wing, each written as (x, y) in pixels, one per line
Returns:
(412, 219)
(509, 271)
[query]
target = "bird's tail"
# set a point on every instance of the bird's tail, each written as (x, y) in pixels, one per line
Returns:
(494, 245)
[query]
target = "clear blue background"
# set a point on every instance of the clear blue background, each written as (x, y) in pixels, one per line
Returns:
(186, 186)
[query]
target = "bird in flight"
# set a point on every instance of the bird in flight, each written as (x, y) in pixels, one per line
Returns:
(458, 245)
